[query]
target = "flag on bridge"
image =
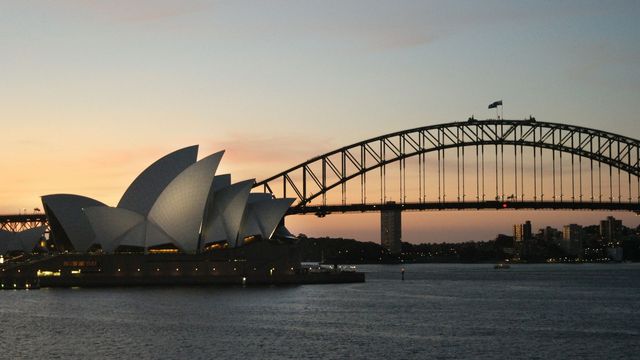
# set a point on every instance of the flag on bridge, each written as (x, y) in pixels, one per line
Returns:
(495, 104)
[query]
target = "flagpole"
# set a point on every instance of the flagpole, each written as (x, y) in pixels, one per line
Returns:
(499, 112)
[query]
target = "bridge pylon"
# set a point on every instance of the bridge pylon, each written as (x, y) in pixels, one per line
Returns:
(391, 229)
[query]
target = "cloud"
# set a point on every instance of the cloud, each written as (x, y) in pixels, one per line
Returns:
(140, 10)
(388, 26)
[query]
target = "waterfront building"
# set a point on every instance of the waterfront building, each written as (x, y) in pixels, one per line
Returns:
(522, 232)
(522, 237)
(610, 230)
(391, 226)
(177, 204)
(611, 237)
(572, 240)
(615, 253)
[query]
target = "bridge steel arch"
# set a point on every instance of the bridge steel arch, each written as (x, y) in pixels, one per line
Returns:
(313, 178)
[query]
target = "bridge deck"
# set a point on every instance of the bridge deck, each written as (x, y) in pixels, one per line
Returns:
(22, 217)
(486, 205)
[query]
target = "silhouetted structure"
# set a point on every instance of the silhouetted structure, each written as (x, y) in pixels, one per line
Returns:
(522, 238)
(572, 240)
(610, 234)
(610, 229)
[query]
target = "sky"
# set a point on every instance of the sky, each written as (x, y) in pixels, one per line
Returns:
(92, 92)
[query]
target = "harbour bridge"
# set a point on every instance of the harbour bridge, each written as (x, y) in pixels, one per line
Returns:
(472, 164)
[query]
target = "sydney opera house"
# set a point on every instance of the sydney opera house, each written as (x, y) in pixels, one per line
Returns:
(177, 223)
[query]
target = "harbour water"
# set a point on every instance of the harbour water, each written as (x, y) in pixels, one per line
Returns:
(440, 311)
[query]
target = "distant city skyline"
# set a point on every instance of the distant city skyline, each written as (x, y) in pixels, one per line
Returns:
(94, 91)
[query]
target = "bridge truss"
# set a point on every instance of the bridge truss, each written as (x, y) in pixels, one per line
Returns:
(475, 164)
(16, 223)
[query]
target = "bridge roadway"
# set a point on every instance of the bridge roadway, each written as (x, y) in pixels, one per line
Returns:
(322, 210)
(23, 218)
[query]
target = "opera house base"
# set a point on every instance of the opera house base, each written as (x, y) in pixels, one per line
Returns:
(260, 263)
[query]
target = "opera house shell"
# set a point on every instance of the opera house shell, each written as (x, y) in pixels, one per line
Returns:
(177, 204)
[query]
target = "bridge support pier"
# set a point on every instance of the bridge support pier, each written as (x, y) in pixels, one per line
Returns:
(391, 229)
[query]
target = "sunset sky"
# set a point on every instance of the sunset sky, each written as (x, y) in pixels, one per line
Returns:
(92, 92)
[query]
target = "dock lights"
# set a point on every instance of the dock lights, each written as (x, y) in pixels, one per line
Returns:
(244, 280)
(1, 259)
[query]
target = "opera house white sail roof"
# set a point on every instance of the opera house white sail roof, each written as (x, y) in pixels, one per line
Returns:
(224, 213)
(179, 209)
(176, 201)
(67, 221)
(145, 189)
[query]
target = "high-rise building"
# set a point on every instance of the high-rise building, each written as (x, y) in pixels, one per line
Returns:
(522, 232)
(522, 237)
(610, 235)
(610, 230)
(391, 230)
(572, 239)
